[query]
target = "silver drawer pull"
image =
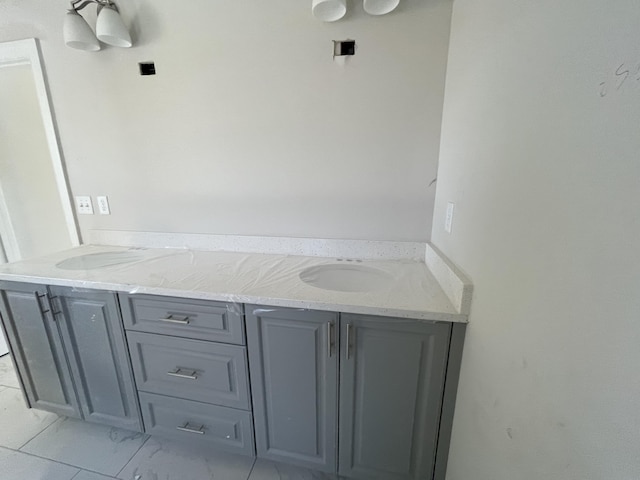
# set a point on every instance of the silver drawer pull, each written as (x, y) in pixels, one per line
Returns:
(186, 428)
(174, 319)
(178, 373)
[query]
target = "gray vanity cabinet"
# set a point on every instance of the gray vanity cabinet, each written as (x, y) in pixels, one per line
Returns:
(70, 352)
(37, 349)
(366, 397)
(389, 392)
(294, 378)
(94, 340)
(392, 375)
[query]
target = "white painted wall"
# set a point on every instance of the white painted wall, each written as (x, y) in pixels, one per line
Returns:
(249, 127)
(27, 180)
(545, 174)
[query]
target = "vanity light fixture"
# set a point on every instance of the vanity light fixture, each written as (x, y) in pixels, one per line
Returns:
(380, 7)
(332, 10)
(329, 10)
(110, 28)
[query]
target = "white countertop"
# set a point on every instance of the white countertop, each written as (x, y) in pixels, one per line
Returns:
(264, 279)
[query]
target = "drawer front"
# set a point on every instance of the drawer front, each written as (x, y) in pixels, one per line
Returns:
(220, 427)
(202, 371)
(200, 319)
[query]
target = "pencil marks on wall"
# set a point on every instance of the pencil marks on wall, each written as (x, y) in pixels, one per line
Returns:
(623, 78)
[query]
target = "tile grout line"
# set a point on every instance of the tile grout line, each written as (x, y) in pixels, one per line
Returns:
(80, 469)
(59, 462)
(37, 434)
(132, 456)
(29, 454)
(49, 460)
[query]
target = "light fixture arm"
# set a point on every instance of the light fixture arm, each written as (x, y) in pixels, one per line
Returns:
(77, 5)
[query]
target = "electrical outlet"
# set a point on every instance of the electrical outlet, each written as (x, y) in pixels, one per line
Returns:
(103, 205)
(84, 205)
(448, 221)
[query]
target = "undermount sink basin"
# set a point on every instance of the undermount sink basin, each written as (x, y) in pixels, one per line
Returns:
(91, 261)
(346, 278)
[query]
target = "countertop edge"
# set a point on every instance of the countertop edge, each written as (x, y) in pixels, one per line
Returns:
(245, 299)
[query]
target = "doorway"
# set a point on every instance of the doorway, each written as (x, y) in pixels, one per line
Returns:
(36, 214)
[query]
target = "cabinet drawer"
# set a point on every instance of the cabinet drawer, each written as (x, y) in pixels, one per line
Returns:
(200, 319)
(202, 371)
(220, 427)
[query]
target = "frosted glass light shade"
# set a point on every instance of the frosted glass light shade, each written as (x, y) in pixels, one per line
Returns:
(111, 30)
(329, 10)
(380, 7)
(78, 34)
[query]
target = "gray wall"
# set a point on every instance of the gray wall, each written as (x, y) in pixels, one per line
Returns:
(545, 176)
(249, 127)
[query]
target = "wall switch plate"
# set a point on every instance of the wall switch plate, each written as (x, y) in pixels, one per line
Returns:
(448, 220)
(84, 205)
(103, 205)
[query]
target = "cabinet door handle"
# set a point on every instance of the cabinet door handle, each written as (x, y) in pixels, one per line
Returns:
(178, 373)
(329, 339)
(174, 319)
(50, 299)
(186, 428)
(39, 297)
(349, 340)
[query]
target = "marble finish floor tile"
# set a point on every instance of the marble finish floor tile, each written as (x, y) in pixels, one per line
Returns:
(170, 460)
(93, 447)
(18, 466)
(18, 424)
(84, 475)
(8, 377)
(267, 470)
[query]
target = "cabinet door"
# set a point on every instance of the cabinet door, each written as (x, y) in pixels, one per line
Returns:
(391, 384)
(94, 339)
(37, 349)
(293, 367)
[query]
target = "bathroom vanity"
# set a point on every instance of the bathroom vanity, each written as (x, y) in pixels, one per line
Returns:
(245, 353)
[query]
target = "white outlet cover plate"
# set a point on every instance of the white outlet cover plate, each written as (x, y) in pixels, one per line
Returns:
(84, 205)
(103, 205)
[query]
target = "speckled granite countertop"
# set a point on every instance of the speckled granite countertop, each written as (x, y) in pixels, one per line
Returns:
(265, 279)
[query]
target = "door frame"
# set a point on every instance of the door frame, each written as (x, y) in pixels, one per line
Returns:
(27, 52)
